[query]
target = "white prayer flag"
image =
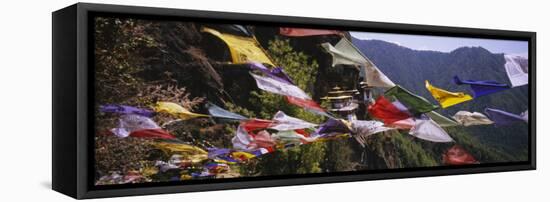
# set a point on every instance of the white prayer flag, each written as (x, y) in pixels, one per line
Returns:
(278, 87)
(515, 71)
(427, 129)
(471, 118)
(284, 122)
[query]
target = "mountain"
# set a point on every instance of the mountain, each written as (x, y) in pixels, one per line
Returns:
(410, 68)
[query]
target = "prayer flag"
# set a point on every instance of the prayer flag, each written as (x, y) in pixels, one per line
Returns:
(471, 118)
(282, 88)
(276, 72)
(429, 130)
(456, 155)
(384, 110)
(132, 122)
(152, 133)
(415, 103)
(219, 112)
(441, 120)
(300, 32)
(516, 71)
(125, 109)
(446, 98)
(242, 49)
(285, 122)
(481, 88)
(176, 110)
(503, 118)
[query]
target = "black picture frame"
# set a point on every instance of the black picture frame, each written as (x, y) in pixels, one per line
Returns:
(72, 70)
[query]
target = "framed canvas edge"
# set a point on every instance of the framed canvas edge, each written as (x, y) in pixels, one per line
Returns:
(83, 103)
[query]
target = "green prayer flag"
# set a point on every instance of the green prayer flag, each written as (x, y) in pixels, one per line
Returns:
(415, 103)
(441, 120)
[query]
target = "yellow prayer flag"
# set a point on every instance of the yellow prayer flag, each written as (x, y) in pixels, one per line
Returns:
(176, 110)
(179, 148)
(242, 155)
(243, 49)
(446, 98)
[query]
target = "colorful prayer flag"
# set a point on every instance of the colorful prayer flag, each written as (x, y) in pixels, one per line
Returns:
(242, 49)
(446, 98)
(466, 118)
(415, 103)
(176, 110)
(429, 130)
(125, 109)
(503, 118)
(307, 104)
(242, 139)
(256, 124)
(456, 155)
(333, 126)
(517, 72)
(261, 140)
(300, 32)
(384, 110)
(481, 88)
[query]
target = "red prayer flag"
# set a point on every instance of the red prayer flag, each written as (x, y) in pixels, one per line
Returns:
(152, 133)
(384, 110)
(456, 155)
(308, 104)
(298, 32)
(255, 124)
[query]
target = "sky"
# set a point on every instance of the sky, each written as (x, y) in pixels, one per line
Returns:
(447, 44)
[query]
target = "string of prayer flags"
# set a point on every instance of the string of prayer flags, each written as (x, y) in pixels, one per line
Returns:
(176, 110)
(276, 72)
(243, 49)
(441, 120)
(456, 155)
(415, 103)
(125, 109)
(466, 118)
(517, 74)
(427, 129)
(219, 112)
(384, 110)
(301, 32)
(481, 88)
(284, 122)
(502, 117)
(446, 98)
(132, 122)
(156, 133)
